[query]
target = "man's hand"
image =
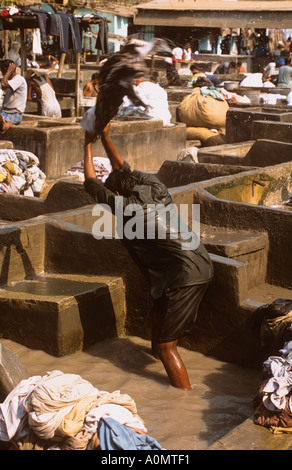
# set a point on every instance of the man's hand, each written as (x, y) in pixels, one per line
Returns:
(12, 67)
(90, 138)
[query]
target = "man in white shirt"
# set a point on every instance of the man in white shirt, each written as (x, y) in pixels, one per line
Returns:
(15, 88)
(177, 53)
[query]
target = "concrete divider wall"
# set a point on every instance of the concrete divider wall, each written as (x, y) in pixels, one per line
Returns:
(239, 122)
(279, 131)
(22, 251)
(176, 173)
(259, 153)
(73, 249)
(241, 216)
(59, 147)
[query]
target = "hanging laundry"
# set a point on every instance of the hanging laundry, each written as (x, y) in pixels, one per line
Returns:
(102, 38)
(69, 33)
(36, 42)
(75, 34)
(42, 19)
(55, 25)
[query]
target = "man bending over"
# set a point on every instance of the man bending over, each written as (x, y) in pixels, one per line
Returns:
(178, 273)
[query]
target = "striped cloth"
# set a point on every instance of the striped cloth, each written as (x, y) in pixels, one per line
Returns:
(16, 118)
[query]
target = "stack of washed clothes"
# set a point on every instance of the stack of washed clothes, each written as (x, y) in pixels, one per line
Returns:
(65, 412)
(273, 402)
(20, 173)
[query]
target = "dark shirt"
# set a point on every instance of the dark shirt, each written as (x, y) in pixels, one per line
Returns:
(215, 80)
(168, 262)
(172, 73)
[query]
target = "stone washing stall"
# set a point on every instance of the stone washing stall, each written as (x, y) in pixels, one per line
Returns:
(59, 144)
(239, 122)
(256, 153)
(256, 240)
(62, 289)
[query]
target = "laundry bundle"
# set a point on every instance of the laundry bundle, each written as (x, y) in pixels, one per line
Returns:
(66, 412)
(204, 113)
(273, 402)
(156, 103)
(20, 173)
(102, 167)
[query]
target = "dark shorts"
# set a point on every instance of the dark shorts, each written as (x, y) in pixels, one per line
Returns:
(178, 310)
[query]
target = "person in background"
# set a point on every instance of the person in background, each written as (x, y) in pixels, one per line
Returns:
(288, 44)
(224, 68)
(172, 76)
(42, 86)
(279, 49)
(177, 53)
(92, 86)
(271, 71)
(195, 69)
(49, 61)
(15, 88)
(285, 73)
(14, 53)
(239, 67)
(187, 53)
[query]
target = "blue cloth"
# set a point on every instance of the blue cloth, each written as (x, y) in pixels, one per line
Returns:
(115, 436)
(16, 118)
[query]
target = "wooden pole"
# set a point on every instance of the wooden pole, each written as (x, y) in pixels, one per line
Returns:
(61, 64)
(23, 52)
(77, 89)
(152, 64)
(84, 49)
(6, 33)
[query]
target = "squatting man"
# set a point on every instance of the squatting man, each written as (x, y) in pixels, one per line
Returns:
(178, 277)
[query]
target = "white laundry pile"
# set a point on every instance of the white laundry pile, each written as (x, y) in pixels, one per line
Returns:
(102, 168)
(274, 401)
(62, 411)
(272, 98)
(231, 96)
(20, 173)
(155, 99)
(252, 80)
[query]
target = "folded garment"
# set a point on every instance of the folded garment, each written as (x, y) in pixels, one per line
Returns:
(52, 399)
(115, 436)
(111, 410)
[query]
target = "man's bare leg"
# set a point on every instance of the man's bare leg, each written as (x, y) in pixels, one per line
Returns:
(170, 358)
(173, 364)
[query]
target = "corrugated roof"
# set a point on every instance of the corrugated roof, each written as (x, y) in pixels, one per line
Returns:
(224, 5)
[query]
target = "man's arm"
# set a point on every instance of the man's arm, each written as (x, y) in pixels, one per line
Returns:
(112, 153)
(8, 75)
(89, 171)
